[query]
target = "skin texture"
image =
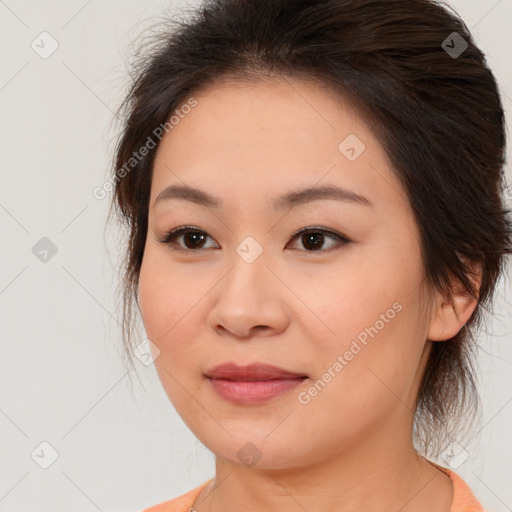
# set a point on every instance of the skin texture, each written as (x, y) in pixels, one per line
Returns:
(350, 447)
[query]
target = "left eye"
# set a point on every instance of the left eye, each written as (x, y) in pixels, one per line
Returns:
(195, 238)
(314, 237)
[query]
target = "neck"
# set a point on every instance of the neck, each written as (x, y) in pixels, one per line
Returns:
(374, 474)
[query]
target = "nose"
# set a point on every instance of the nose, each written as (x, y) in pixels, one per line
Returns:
(249, 301)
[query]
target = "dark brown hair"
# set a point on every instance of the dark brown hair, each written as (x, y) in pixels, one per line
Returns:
(435, 109)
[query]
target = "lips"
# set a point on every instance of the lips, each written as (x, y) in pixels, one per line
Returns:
(252, 384)
(251, 372)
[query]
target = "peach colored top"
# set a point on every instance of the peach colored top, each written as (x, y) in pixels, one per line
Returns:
(463, 498)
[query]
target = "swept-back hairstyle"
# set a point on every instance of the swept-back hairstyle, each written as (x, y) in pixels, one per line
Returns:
(411, 69)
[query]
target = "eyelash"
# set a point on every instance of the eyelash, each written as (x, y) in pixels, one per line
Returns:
(176, 232)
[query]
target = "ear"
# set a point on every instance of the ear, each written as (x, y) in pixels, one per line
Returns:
(447, 320)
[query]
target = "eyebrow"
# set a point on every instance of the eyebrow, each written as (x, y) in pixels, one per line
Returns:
(291, 199)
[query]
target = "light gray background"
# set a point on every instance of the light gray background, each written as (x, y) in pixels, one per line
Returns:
(121, 448)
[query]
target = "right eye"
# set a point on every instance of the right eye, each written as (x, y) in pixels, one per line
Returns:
(194, 238)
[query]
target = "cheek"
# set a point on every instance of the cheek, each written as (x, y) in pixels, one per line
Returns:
(151, 297)
(160, 304)
(164, 303)
(370, 315)
(366, 372)
(165, 293)
(169, 302)
(357, 296)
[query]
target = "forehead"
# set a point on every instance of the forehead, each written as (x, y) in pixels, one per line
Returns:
(249, 138)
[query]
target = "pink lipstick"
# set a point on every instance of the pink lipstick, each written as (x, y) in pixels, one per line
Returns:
(252, 384)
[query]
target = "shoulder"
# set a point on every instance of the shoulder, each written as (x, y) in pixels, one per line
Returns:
(463, 498)
(181, 503)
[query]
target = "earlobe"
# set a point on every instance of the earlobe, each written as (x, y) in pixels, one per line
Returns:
(447, 319)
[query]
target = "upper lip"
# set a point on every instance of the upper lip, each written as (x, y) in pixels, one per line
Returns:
(253, 371)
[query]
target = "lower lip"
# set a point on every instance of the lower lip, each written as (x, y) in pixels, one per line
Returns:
(253, 392)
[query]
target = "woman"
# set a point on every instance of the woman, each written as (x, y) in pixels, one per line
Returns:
(314, 192)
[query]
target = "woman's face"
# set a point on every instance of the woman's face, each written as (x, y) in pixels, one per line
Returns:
(347, 315)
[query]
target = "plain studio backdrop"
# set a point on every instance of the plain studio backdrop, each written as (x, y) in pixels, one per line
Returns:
(75, 433)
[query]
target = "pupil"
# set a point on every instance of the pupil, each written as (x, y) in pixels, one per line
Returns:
(315, 238)
(196, 236)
